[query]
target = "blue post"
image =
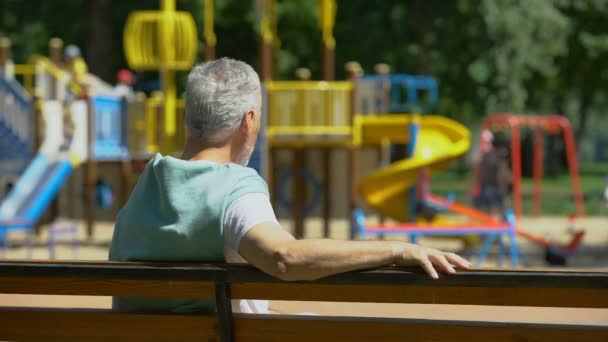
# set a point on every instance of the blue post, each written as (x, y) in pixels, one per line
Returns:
(514, 248)
(358, 221)
(411, 193)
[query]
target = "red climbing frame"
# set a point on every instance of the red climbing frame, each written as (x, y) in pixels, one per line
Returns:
(551, 124)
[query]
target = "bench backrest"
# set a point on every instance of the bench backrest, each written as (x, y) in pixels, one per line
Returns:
(571, 289)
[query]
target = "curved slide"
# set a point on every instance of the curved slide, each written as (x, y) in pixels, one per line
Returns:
(440, 141)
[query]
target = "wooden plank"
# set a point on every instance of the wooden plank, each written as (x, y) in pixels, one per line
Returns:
(107, 287)
(390, 277)
(425, 294)
(578, 316)
(103, 325)
(311, 328)
(489, 271)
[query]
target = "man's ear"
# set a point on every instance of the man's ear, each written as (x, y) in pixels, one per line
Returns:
(248, 122)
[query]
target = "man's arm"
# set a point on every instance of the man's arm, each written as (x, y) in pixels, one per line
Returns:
(273, 250)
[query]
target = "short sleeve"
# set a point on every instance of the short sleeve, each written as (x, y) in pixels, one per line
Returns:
(245, 213)
(247, 183)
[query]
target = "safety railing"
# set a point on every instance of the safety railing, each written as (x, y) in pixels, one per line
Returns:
(16, 127)
(27, 73)
(309, 110)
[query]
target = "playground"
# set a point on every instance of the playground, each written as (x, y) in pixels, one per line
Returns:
(384, 152)
(592, 255)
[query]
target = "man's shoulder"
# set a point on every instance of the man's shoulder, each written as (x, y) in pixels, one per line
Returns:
(240, 171)
(245, 180)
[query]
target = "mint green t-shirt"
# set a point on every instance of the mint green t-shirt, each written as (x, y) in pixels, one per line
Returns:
(176, 214)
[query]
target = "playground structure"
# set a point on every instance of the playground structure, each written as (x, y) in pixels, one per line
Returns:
(68, 129)
(365, 112)
(540, 124)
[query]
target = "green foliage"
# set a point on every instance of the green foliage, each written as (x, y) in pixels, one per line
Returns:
(548, 56)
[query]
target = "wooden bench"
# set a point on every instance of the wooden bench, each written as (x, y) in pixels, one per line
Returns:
(566, 289)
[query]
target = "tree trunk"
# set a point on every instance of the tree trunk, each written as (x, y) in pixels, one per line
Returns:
(99, 44)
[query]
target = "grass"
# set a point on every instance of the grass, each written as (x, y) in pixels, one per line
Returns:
(557, 196)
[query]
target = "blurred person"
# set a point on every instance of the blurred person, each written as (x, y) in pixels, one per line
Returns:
(76, 67)
(124, 85)
(494, 175)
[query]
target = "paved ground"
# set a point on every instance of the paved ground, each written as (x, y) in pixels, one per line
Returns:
(592, 255)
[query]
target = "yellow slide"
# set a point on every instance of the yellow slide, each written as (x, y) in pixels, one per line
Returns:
(440, 141)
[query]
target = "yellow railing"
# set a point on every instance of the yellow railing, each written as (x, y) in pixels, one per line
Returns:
(27, 73)
(309, 109)
(41, 64)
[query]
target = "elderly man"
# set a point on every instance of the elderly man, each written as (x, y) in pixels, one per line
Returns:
(208, 207)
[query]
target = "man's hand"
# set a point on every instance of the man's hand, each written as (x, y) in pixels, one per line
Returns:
(429, 259)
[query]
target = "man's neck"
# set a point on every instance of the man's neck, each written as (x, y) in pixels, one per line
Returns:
(219, 154)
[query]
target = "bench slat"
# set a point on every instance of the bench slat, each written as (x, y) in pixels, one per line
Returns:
(103, 325)
(425, 294)
(311, 328)
(107, 287)
(535, 278)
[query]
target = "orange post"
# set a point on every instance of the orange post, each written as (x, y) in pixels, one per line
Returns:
(573, 166)
(516, 167)
(538, 169)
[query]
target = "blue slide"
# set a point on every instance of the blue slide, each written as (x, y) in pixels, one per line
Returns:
(33, 193)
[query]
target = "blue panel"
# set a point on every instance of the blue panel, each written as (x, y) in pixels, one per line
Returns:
(110, 142)
(412, 84)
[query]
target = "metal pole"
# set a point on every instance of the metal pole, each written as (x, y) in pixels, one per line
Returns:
(90, 176)
(516, 166)
(5, 52)
(297, 205)
(538, 169)
(573, 167)
(327, 13)
(167, 54)
(208, 30)
(267, 40)
(384, 154)
(56, 57)
(354, 71)
(55, 51)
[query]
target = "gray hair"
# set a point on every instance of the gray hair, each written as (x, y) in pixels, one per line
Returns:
(218, 95)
